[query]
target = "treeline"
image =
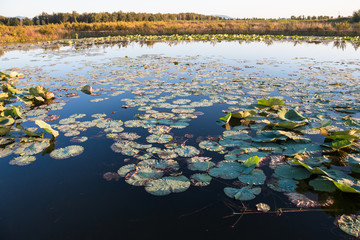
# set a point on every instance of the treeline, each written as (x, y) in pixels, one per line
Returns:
(74, 17)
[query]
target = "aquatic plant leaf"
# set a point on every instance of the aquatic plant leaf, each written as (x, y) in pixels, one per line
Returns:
(242, 194)
(6, 121)
(270, 102)
(322, 124)
(155, 138)
(252, 161)
(283, 184)
(255, 177)
(290, 115)
(293, 148)
(4, 152)
(344, 186)
(262, 207)
(160, 164)
(47, 128)
(67, 152)
(200, 164)
(322, 184)
(243, 114)
(312, 170)
(291, 172)
(23, 160)
(126, 169)
(286, 125)
(211, 146)
(143, 175)
(295, 137)
(246, 156)
(28, 132)
(200, 179)
(167, 185)
(16, 112)
(226, 118)
(87, 89)
(187, 151)
(317, 161)
(226, 170)
(349, 135)
(32, 148)
(350, 224)
(339, 144)
(41, 92)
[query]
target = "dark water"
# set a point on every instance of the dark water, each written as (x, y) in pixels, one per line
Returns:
(70, 199)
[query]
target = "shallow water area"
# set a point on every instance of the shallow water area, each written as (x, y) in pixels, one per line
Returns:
(154, 110)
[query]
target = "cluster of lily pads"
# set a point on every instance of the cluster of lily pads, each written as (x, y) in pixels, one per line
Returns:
(15, 109)
(279, 133)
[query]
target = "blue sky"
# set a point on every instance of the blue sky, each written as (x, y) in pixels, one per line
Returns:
(233, 8)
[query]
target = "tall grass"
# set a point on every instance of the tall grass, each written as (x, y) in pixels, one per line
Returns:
(69, 30)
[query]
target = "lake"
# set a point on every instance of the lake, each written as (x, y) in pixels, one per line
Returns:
(156, 161)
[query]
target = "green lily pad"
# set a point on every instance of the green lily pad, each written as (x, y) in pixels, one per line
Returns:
(155, 138)
(200, 179)
(323, 185)
(23, 160)
(167, 185)
(143, 175)
(291, 172)
(202, 164)
(283, 184)
(126, 169)
(246, 156)
(270, 102)
(256, 177)
(32, 148)
(290, 115)
(226, 170)
(242, 194)
(67, 152)
(298, 148)
(160, 164)
(211, 146)
(187, 151)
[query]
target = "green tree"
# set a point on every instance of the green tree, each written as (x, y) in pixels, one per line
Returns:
(356, 16)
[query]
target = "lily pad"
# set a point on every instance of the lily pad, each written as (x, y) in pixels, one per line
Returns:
(200, 179)
(211, 146)
(155, 138)
(226, 170)
(187, 151)
(67, 152)
(291, 172)
(143, 175)
(350, 224)
(23, 160)
(255, 177)
(242, 194)
(126, 169)
(167, 185)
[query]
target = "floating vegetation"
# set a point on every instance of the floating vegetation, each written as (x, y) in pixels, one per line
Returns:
(295, 135)
(23, 160)
(67, 152)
